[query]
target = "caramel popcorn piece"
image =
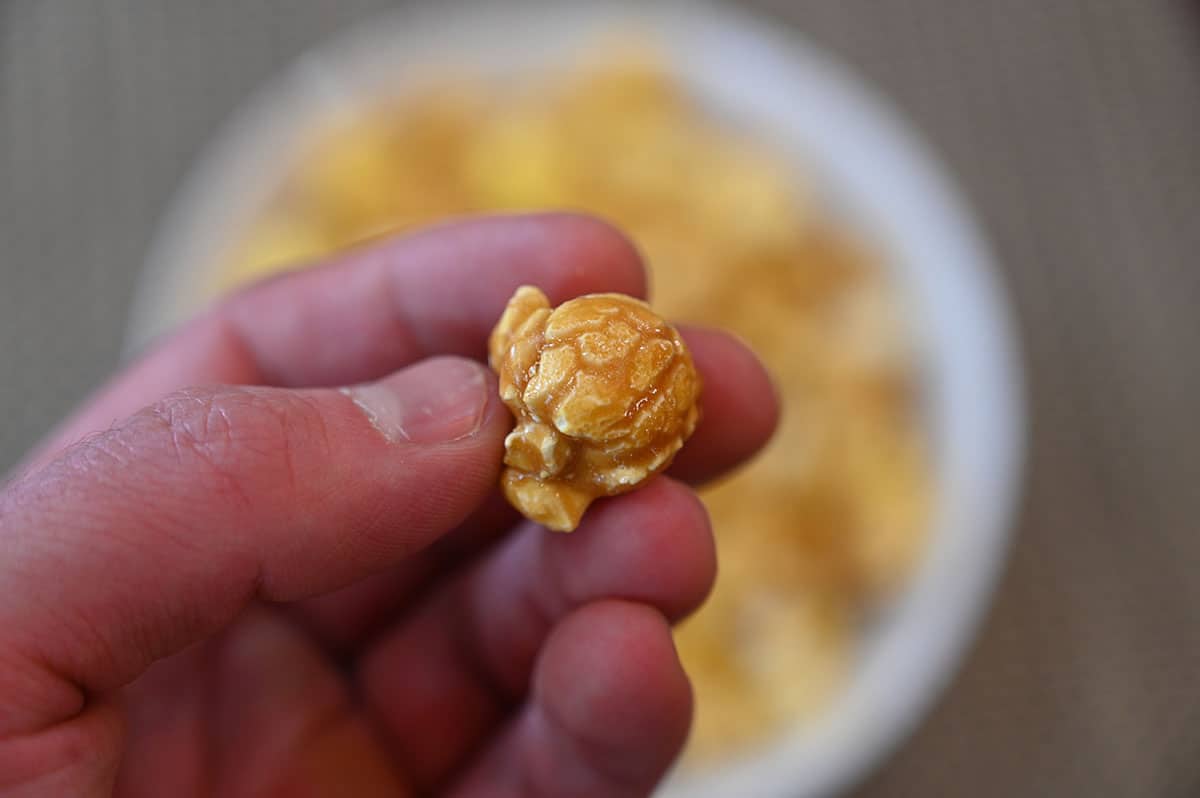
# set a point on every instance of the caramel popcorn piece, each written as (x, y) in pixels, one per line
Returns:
(604, 393)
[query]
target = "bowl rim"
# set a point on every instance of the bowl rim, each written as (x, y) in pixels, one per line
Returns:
(969, 329)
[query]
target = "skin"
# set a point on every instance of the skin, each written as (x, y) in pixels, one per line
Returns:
(231, 590)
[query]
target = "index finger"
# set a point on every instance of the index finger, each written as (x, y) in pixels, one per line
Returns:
(372, 311)
(440, 291)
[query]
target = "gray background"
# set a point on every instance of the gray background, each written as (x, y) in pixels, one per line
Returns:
(1074, 126)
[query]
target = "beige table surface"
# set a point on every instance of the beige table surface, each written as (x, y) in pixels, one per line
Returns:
(1074, 126)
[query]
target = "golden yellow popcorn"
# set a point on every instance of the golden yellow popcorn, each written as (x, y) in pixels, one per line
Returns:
(604, 393)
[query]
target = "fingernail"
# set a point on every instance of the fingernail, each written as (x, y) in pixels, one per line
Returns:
(433, 402)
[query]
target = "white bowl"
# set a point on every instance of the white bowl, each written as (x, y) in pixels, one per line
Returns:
(871, 169)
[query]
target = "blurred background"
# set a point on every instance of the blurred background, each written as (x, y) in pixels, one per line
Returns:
(1074, 128)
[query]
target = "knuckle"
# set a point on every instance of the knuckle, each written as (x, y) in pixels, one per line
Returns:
(240, 438)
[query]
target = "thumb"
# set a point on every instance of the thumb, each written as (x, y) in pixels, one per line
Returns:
(145, 538)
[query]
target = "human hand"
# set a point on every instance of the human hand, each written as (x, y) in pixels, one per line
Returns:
(300, 590)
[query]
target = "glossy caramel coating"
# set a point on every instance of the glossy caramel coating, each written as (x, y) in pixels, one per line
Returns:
(604, 394)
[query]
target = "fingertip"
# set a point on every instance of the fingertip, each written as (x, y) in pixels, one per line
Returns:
(440, 452)
(610, 677)
(445, 399)
(654, 545)
(739, 402)
(744, 390)
(678, 540)
(609, 710)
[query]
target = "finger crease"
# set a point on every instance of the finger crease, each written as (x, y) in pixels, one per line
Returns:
(602, 757)
(468, 640)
